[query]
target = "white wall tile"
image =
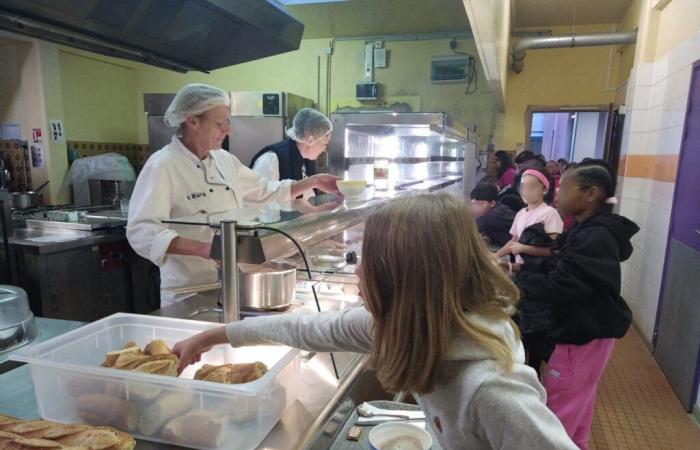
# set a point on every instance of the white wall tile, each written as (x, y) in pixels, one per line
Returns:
(641, 97)
(677, 85)
(638, 122)
(657, 93)
(645, 326)
(673, 113)
(660, 70)
(652, 262)
(678, 57)
(661, 194)
(655, 248)
(644, 74)
(669, 142)
(638, 143)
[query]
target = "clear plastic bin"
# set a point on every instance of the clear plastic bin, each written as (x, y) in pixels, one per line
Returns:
(71, 387)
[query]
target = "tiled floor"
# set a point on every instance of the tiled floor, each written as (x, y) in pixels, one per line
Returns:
(636, 407)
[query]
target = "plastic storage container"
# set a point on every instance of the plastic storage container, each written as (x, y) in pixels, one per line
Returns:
(71, 387)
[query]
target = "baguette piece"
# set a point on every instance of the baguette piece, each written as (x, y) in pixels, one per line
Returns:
(27, 426)
(200, 429)
(166, 407)
(103, 409)
(93, 438)
(47, 435)
(31, 444)
(112, 357)
(231, 373)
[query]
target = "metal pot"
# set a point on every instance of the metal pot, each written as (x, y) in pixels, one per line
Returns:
(27, 199)
(267, 286)
(17, 325)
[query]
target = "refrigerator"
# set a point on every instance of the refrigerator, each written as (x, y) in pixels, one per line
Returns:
(260, 118)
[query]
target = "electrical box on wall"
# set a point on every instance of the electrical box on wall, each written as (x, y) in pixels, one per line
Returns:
(367, 90)
(379, 58)
(451, 69)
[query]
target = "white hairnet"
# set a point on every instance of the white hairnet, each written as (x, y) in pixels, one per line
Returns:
(194, 99)
(309, 125)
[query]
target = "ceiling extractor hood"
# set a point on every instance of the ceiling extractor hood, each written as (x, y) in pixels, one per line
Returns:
(179, 35)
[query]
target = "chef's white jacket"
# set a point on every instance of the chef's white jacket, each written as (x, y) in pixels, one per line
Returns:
(174, 184)
(268, 166)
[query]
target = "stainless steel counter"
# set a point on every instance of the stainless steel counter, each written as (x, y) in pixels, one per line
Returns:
(310, 423)
(47, 240)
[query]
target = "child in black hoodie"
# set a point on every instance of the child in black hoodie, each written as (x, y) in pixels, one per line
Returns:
(582, 287)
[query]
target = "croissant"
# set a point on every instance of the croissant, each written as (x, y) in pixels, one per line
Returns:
(16, 434)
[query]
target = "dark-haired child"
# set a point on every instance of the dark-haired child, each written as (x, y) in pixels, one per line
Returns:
(583, 289)
(492, 218)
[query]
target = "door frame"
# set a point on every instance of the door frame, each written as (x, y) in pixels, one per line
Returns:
(565, 109)
(659, 307)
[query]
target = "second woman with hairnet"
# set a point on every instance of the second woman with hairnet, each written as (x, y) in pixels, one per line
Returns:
(192, 175)
(295, 157)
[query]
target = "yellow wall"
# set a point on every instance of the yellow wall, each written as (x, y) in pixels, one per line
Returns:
(98, 98)
(556, 77)
(677, 22)
(408, 74)
(29, 80)
(625, 60)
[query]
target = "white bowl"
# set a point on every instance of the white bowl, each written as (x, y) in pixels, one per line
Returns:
(352, 188)
(396, 435)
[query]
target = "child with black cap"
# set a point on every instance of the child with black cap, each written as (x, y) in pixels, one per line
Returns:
(493, 219)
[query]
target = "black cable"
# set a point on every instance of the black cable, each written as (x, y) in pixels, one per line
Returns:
(472, 78)
(308, 271)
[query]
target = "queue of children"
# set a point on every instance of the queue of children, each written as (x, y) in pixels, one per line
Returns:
(439, 308)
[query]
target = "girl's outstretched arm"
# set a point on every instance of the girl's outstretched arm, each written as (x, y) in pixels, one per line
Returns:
(346, 330)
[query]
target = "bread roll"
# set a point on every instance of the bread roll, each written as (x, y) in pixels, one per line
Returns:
(166, 407)
(103, 409)
(157, 347)
(82, 385)
(200, 429)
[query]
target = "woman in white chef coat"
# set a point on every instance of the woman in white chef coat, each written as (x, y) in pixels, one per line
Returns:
(190, 176)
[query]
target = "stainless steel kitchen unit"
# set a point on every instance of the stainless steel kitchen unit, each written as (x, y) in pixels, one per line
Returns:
(417, 151)
(259, 119)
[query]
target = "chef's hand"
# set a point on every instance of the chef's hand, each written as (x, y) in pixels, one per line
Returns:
(322, 181)
(190, 350)
(326, 183)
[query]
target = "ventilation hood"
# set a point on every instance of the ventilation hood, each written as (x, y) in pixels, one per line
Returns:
(180, 35)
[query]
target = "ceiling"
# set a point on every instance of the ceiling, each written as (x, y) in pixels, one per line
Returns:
(537, 13)
(380, 17)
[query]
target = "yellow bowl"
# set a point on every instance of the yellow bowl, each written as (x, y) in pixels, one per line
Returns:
(352, 188)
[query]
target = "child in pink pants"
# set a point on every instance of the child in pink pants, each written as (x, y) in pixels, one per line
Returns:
(582, 288)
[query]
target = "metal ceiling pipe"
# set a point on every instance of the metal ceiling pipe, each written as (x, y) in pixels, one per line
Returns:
(578, 40)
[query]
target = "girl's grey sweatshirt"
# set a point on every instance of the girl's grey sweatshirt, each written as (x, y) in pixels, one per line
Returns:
(475, 404)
